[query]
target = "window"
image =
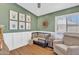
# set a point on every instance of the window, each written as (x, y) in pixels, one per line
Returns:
(61, 24)
(72, 23)
(67, 23)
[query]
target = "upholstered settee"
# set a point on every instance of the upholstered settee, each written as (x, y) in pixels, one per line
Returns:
(40, 38)
(68, 46)
(40, 35)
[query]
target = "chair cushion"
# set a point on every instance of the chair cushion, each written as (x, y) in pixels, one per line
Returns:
(35, 39)
(41, 35)
(42, 41)
(61, 47)
(71, 40)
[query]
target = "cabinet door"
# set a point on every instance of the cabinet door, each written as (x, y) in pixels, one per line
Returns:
(17, 40)
(8, 39)
(20, 39)
(28, 36)
(24, 38)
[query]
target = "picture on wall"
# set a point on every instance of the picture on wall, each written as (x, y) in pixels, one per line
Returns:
(28, 26)
(21, 17)
(28, 18)
(45, 23)
(13, 25)
(22, 25)
(13, 15)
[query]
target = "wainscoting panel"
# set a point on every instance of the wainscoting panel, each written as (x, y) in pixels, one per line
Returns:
(19, 39)
(16, 40)
(8, 39)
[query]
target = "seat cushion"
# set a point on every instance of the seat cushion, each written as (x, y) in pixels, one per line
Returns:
(71, 40)
(61, 47)
(35, 39)
(41, 35)
(41, 41)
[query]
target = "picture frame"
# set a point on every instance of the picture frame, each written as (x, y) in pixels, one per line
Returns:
(13, 15)
(28, 18)
(13, 25)
(28, 26)
(21, 17)
(21, 25)
(45, 23)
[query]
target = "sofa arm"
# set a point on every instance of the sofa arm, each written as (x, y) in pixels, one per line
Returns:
(57, 41)
(73, 50)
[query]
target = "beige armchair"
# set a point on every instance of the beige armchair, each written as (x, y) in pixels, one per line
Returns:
(68, 46)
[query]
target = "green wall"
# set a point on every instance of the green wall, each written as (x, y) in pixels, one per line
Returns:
(36, 21)
(51, 18)
(4, 16)
(51, 21)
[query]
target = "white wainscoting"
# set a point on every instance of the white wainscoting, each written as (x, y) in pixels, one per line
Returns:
(16, 40)
(19, 39)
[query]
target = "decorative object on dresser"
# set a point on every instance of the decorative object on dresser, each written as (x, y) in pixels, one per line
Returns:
(3, 48)
(1, 36)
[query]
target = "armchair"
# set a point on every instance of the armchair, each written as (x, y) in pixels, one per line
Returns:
(68, 46)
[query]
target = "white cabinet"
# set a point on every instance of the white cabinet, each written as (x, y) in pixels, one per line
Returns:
(24, 38)
(28, 36)
(20, 39)
(16, 40)
(8, 39)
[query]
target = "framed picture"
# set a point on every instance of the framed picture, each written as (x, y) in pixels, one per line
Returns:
(13, 15)
(22, 25)
(21, 17)
(13, 25)
(28, 26)
(45, 23)
(28, 18)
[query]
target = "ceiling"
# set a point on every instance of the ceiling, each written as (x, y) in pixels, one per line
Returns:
(46, 7)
